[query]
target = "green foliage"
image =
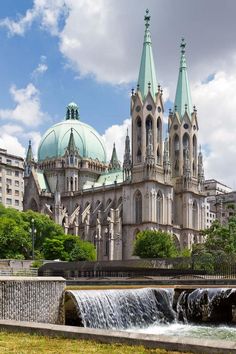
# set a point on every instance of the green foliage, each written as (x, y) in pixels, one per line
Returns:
(219, 250)
(83, 251)
(154, 244)
(50, 240)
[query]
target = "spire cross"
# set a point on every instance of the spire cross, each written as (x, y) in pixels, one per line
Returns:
(183, 45)
(147, 19)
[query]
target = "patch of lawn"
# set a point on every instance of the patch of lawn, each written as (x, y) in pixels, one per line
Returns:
(21, 343)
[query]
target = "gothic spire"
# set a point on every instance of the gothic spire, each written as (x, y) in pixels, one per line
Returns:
(29, 155)
(71, 145)
(200, 168)
(115, 165)
(127, 155)
(183, 100)
(147, 74)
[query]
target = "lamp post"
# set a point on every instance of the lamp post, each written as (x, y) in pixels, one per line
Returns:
(33, 232)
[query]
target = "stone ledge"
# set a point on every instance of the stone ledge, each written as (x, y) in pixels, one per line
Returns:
(182, 344)
(22, 278)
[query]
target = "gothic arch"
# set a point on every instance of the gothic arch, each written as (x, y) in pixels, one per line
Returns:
(159, 207)
(138, 207)
(175, 149)
(159, 130)
(195, 215)
(138, 138)
(148, 125)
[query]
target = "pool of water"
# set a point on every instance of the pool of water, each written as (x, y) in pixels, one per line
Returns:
(221, 332)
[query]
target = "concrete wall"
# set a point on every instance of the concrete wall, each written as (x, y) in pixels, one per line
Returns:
(31, 299)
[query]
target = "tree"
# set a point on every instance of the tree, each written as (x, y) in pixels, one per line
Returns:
(83, 251)
(154, 244)
(50, 240)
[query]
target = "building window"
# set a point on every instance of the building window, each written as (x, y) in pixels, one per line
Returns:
(138, 207)
(17, 192)
(9, 172)
(8, 201)
(16, 163)
(17, 203)
(17, 173)
(17, 183)
(9, 162)
(9, 181)
(9, 191)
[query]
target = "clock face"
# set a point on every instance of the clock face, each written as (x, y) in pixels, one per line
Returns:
(149, 107)
(194, 127)
(175, 127)
(185, 126)
(159, 109)
(138, 108)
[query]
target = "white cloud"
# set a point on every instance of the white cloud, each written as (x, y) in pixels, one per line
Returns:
(48, 12)
(41, 68)
(27, 109)
(216, 103)
(116, 134)
(12, 144)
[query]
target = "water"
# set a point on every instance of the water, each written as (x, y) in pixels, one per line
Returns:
(122, 309)
(190, 330)
(202, 313)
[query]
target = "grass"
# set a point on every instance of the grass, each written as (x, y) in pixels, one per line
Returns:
(21, 343)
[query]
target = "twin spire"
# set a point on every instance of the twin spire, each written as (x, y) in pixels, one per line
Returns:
(147, 74)
(183, 100)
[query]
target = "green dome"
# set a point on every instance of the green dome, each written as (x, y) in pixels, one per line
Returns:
(56, 139)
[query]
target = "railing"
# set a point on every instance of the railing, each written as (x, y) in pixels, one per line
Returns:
(32, 272)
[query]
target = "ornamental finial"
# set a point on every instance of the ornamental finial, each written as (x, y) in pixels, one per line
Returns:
(147, 19)
(183, 45)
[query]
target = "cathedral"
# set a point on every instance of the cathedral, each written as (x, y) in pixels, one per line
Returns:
(159, 185)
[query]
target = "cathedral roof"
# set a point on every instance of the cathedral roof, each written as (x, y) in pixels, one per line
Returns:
(86, 139)
(147, 73)
(183, 100)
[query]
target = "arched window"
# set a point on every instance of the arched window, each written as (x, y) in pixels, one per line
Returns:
(138, 207)
(195, 215)
(68, 114)
(185, 142)
(72, 114)
(159, 130)
(176, 145)
(159, 207)
(148, 127)
(138, 138)
(158, 155)
(67, 184)
(71, 159)
(76, 186)
(71, 184)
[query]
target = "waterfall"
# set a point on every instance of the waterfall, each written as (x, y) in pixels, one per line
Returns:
(122, 309)
(140, 308)
(207, 305)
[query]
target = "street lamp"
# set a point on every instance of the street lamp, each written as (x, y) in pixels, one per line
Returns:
(33, 232)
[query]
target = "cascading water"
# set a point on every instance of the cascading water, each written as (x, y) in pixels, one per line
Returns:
(123, 309)
(159, 311)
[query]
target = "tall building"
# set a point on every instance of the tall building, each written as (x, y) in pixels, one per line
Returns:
(159, 186)
(11, 180)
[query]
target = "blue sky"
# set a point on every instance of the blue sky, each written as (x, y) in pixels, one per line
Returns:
(57, 51)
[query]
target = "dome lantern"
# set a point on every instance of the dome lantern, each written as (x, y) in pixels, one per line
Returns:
(72, 111)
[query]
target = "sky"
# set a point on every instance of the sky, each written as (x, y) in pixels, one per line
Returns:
(53, 52)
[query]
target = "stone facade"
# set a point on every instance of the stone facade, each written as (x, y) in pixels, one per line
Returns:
(11, 180)
(159, 187)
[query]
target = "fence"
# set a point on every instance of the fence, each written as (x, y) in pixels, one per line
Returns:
(31, 272)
